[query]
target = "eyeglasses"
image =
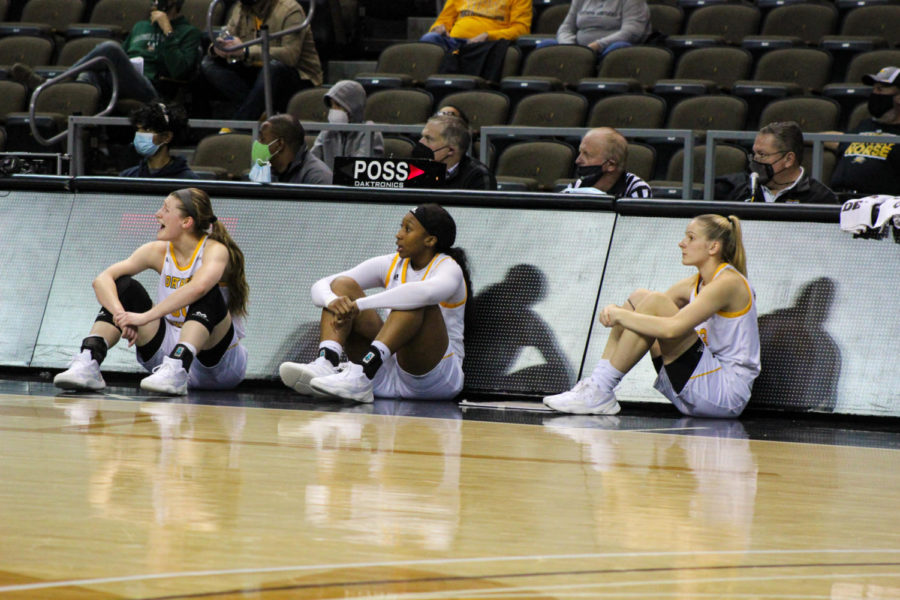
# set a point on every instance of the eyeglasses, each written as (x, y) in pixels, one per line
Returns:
(761, 156)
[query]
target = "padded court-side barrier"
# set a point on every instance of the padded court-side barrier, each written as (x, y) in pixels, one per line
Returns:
(540, 270)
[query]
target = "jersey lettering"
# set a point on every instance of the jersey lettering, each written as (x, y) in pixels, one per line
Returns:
(703, 335)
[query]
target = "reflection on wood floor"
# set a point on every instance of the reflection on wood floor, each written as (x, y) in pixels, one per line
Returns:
(131, 498)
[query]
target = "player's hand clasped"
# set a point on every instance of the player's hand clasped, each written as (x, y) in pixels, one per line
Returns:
(609, 316)
(343, 308)
(129, 322)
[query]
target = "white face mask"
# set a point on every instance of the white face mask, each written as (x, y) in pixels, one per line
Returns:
(261, 173)
(336, 115)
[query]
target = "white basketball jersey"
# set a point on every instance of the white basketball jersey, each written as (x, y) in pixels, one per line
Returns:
(173, 276)
(733, 338)
(452, 309)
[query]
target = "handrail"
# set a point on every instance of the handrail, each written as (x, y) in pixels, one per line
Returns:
(685, 135)
(85, 66)
(818, 147)
(77, 123)
(263, 39)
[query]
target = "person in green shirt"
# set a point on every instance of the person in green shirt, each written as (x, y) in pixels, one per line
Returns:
(164, 46)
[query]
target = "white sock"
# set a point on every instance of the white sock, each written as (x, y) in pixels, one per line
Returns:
(332, 345)
(606, 376)
(382, 349)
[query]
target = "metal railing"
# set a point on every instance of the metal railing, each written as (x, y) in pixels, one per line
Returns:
(818, 141)
(78, 123)
(86, 66)
(264, 39)
(685, 135)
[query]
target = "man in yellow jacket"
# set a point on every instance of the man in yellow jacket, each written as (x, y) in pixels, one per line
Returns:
(470, 21)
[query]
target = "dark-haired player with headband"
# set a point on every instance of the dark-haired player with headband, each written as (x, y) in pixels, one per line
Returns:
(701, 333)
(417, 351)
(191, 337)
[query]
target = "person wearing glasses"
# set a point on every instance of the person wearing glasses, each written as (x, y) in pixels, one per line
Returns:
(775, 173)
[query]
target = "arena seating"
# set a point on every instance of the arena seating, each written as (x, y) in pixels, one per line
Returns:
(764, 52)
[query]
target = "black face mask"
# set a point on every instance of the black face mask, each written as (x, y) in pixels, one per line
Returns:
(764, 171)
(420, 150)
(590, 174)
(880, 104)
(162, 5)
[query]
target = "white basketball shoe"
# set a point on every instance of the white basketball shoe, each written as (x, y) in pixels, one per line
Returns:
(349, 384)
(584, 399)
(298, 375)
(167, 378)
(83, 374)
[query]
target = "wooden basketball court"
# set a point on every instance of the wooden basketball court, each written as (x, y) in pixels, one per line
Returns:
(267, 496)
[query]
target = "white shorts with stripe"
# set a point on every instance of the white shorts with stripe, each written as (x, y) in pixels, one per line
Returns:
(443, 382)
(224, 375)
(712, 391)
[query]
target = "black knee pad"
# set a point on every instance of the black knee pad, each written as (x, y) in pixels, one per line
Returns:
(212, 356)
(132, 295)
(209, 310)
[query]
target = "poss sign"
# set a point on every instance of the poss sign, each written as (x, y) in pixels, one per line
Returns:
(388, 172)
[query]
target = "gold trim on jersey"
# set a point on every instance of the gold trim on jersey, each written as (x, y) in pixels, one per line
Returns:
(387, 278)
(707, 373)
(427, 270)
(746, 309)
(193, 256)
(406, 266)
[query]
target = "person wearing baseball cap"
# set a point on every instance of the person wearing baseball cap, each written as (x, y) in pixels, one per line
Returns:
(866, 168)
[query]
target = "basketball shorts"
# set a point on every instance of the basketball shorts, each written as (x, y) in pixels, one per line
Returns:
(443, 382)
(224, 375)
(712, 390)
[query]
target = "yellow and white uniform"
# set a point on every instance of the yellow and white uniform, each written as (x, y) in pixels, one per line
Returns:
(440, 283)
(230, 370)
(723, 378)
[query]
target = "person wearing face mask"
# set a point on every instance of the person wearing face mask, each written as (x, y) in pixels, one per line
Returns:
(775, 173)
(446, 139)
(236, 76)
(168, 46)
(867, 168)
(600, 167)
(156, 124)
(346, 101)
(280, 154)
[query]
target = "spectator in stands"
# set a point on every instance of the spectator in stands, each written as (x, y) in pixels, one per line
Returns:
(165, 44)
(453, 111)
(775, 172)
(157, 125)
(237, 75)
(600, 167)
(604, 25)
(280, 154)
(866, 168)
(346, 101)
(446, 139)
(469, 21)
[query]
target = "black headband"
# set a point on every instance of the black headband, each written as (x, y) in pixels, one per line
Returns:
(437, 222)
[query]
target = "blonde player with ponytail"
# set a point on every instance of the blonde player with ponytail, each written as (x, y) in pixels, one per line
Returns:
(191, 336)
(702, 333)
